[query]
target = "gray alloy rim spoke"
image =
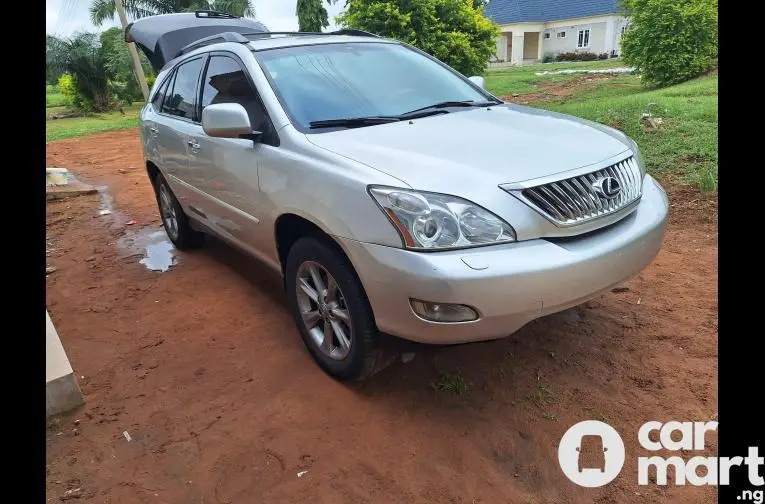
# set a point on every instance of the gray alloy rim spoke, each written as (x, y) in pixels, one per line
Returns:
(342, 315)
(309, 291)
(311, 318)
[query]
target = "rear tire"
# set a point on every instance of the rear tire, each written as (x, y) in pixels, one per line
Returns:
(335, 320)
(174, 220)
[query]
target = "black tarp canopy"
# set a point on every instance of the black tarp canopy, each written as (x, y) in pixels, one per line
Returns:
(162, 37)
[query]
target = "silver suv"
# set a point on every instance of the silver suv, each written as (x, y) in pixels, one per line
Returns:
(395, 196)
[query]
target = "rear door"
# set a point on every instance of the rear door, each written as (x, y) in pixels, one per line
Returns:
(174, 125)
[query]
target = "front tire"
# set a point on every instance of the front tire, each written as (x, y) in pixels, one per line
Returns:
(332, 312)
(174, 220)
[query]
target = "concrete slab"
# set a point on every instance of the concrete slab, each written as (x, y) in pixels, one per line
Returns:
(61, 389)
(76, 188)
(60, 183)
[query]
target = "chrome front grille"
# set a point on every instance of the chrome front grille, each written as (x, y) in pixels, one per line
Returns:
(582, 198)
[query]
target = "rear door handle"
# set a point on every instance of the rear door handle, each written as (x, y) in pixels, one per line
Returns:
(154, 131)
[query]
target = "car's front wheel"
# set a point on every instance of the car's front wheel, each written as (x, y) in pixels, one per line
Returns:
(332, 312)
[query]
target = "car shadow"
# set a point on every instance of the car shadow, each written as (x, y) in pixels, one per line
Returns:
(526, 370)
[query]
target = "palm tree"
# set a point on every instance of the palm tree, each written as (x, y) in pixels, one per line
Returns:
(103, 10)
(84, 57)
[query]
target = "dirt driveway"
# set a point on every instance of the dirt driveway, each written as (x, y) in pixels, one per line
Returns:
(202, 366)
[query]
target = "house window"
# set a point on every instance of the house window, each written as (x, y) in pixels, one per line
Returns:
(562, 34)
(547, 35)
(584, 38)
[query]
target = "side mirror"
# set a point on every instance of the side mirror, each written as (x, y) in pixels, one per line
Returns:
(227, 120)
(478, 81)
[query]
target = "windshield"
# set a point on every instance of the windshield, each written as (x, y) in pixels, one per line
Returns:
(338, 81)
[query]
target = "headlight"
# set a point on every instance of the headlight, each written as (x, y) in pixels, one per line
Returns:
(437, 221)
(638, 156)
(633, 146)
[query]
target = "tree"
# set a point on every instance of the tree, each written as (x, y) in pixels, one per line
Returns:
(52, 73)
(312, 16)
(120, 66)
(84, 58)
(670, 41)
(103, 10)
(454, 31)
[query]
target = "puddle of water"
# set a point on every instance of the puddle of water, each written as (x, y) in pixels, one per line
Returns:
(156, 248)
(107, 202)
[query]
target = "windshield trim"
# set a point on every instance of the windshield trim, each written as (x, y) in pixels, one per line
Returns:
(309, 131)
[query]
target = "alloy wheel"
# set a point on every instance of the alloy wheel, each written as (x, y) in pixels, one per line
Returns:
(167, 209)
(323, 310)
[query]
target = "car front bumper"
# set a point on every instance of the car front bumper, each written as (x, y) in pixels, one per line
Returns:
(516, 282)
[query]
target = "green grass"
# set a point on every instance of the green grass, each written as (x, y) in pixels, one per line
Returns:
(59, 129)
(54, 100)
(685, 144)
(522, 79)
(451, 383)
(53, 96)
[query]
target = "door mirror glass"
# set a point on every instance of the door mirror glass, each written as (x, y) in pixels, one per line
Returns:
(226, 120)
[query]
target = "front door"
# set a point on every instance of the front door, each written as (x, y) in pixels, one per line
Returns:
(230, 165)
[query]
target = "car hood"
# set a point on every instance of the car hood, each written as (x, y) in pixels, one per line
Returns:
(503, 144)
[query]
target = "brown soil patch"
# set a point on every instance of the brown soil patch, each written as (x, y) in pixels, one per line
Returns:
(551, 90)
(204, 369)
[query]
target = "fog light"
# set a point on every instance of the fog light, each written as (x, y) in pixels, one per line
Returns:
(443, 312)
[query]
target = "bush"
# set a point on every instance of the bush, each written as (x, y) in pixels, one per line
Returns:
(67, 85)
(603, 56)
(548, 58)
(670, 41)
(576, 56)
(150, 80)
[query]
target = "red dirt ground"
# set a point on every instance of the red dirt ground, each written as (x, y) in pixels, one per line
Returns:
(203, 367)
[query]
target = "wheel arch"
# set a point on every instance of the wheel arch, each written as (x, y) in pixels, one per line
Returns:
(289, 227)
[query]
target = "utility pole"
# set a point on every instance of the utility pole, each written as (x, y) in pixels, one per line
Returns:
(137, 68)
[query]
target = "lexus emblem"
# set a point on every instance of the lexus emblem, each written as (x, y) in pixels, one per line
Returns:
(608, 187)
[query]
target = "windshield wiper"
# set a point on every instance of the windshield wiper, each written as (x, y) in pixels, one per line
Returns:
(353, 122)
(452, 103)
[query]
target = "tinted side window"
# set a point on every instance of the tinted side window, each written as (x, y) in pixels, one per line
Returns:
(168, 93)
(156, 101)
(225, 82)
(182, 101)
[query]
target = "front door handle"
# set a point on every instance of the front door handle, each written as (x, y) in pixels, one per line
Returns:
(193, 144)
(154, 131)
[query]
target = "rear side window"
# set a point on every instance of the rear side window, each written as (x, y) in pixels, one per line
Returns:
(156, 101)
(182, 100)
(225, 82)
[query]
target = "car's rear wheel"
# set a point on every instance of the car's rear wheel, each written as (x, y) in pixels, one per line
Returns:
(174, 220)
(332, 312)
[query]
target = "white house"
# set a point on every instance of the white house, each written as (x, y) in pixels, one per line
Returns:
(532, 29)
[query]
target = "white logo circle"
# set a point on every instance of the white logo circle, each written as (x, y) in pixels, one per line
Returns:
(591, 453)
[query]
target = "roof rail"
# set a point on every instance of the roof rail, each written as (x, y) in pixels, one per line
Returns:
(357, 33)
(241, 38)
(214, 14)
(214, 39)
